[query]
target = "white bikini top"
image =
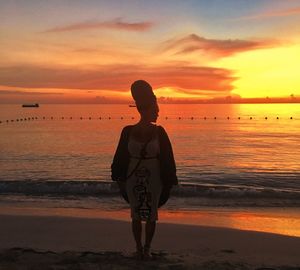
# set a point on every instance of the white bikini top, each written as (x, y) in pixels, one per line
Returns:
(151, 151)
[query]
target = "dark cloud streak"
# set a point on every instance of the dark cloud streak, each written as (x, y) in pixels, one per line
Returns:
(215, 47)
(116, 24)
(118, 78)
(25, 93)
(271, 14)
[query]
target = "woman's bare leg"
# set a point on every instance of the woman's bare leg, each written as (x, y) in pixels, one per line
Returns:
(137, 233)
(150, 230)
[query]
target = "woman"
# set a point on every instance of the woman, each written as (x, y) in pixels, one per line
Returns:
(144, 166)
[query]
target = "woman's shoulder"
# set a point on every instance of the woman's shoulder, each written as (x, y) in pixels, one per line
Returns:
(161, 130)
(125, 132)
(127, 128)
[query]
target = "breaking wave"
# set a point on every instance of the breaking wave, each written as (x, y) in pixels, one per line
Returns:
(239, 194)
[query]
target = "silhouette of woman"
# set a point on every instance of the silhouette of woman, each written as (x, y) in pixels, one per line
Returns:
(144, 166)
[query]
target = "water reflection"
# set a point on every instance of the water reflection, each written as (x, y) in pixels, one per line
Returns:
(236, 151)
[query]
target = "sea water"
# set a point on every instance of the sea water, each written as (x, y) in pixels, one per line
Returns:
(228, 156)
(235, 154)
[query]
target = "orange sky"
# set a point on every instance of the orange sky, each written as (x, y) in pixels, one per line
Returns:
(189, 50)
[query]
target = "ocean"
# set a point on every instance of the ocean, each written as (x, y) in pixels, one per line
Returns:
(239, 157)
(244, 155)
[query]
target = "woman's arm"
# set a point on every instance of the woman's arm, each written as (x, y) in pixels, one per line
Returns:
(167, 160)
(121, 158)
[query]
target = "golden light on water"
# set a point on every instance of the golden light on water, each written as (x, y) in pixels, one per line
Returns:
(279, 222)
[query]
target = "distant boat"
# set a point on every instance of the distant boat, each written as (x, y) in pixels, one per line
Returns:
(35, 105)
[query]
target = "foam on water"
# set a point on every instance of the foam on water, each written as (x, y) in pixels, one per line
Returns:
(217, 194)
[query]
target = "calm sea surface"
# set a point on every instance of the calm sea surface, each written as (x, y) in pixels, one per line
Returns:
(246, 154)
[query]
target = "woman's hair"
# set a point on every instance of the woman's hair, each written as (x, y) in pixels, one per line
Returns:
(143, 95)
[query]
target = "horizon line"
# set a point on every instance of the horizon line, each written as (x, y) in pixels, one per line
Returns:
(179, 102)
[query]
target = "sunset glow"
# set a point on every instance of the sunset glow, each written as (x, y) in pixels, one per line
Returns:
(91, 51)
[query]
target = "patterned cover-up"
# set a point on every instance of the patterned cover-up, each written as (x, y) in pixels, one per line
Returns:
(144, 186)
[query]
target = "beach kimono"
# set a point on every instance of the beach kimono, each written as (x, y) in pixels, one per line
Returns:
(165, 170)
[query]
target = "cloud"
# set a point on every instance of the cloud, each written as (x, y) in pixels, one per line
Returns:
(270, 14)
(215, 47)
(25, 93)
(116, 24)
(118, 77)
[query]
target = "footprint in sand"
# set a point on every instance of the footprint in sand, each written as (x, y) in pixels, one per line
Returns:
(227, 250)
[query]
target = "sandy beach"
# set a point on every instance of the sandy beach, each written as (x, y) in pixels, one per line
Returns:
(54, 242)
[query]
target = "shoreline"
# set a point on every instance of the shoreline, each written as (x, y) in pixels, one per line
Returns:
(283, 221)
(184, 244)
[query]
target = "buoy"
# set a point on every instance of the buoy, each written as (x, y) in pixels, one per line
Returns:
(109, 118)
(228, 117)
(277, 117)
(71, 117)
(36, 118)
(100, 118)
(6, 121)
(90, 118)
(62, 118)
(44, 117)
(266, 118)
(0, 122)
(21, 119)
(291, 118)
(179, 118)
(250, 118)
(192, 118)
(32, 118)
(132, 117)
(17, 120)
(51, 118)
(11, 120)
(80, 118)
(239, 118)
(205, 118)
(215, 118)
(122, 118)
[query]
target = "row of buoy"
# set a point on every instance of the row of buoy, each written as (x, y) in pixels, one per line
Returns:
(215, 118)
(20, 120)
(109, 118)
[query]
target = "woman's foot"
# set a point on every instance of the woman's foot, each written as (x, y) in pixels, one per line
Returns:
(139, 254)
(147, 252)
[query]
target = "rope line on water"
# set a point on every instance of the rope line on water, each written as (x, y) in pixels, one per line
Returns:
(132, 118)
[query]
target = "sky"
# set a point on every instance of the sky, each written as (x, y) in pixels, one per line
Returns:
(90, 51)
